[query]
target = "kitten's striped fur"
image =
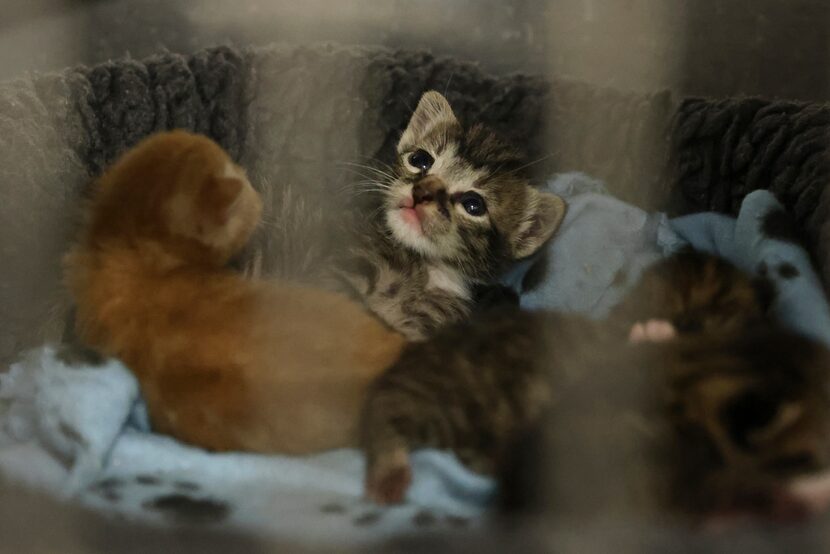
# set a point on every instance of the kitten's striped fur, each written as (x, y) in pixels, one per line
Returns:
(477, 386)
(697, 293)
(419, 276)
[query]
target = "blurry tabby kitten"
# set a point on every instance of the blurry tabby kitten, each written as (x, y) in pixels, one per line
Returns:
(696, 293)
(223, 362)
(453, 212)
(714, 415)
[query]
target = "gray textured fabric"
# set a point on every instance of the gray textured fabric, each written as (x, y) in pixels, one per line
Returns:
(726, 149)
(41, 176)
(293, 115)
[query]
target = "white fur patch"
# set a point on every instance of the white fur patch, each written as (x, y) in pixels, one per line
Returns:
(447, 279)
(407, 235)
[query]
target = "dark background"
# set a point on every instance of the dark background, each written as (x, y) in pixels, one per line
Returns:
(701, 47)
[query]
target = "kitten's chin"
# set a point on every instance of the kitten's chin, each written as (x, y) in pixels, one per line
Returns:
(408, 232)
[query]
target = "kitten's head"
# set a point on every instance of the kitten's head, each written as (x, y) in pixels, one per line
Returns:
(699, 294)
(458, 195)
(180, 191)
(751, 413)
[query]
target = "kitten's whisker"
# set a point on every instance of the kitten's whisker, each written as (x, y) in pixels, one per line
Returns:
(374, 181)
(370, 168)
(373, 176)
(365, 161)
(447, 86)
(408, 107)
(369, 188)
(380, 208)
(351, 166)
(368, 182)
(366, 187)
(364, 193)
(392, 169)
(525, 166)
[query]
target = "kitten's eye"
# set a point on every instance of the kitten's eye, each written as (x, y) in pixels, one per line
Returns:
(420, 159)
(473, 203)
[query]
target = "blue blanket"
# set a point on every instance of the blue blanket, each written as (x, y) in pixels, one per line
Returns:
(604, 245)
(80, 431)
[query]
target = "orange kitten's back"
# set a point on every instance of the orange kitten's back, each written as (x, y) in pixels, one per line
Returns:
(265, 368)
(223, 362)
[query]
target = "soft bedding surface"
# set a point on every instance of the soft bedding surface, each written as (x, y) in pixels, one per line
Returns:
(79, 430)
(291, 115)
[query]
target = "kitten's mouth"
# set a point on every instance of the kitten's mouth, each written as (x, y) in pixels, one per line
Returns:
(411, 218)
(410, 215)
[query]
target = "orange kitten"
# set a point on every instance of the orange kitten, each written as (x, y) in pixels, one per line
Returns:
(223, 362)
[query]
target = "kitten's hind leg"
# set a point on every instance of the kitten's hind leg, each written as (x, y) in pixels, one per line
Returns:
(399, 415)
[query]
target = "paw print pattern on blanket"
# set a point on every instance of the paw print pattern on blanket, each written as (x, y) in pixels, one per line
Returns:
(174, 500)
(78, 428)
(763, 239)
(609, 243)
(364, 516)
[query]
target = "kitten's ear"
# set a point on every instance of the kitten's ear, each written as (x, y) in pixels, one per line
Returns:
(544, 214)
(433, 109)
(219, 196)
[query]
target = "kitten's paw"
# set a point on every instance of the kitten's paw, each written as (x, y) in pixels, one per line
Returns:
(814, 491)
(389, 477)
(653, 330)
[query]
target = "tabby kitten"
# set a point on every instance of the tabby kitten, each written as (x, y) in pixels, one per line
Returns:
(741, 399)
(708, 428)
(223, 362)
(452, 213)
(696, 293)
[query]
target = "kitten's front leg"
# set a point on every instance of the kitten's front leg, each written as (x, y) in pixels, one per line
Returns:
(400, 414)
(388, 476)
(385, 442)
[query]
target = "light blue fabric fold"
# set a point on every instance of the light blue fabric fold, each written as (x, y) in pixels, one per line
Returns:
(799, 301)
(600, 250)
(78, 432)
(605, 244)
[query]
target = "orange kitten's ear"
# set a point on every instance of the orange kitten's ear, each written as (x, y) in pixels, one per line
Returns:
(219, 195)
(433, 110)
(543, 217)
